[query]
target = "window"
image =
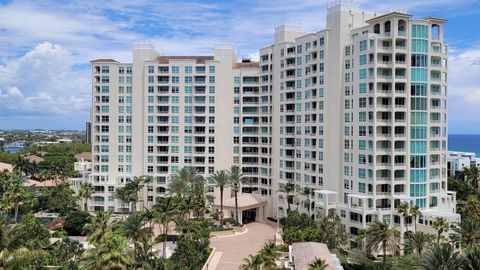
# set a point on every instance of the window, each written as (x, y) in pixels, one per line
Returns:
(363, 45)
(188, 69)
(175, 69)
(211, 69)
(363, 59)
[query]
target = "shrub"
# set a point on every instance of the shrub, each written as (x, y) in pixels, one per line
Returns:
(74, 222)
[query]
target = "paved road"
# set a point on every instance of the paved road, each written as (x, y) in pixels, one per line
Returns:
(233, 249)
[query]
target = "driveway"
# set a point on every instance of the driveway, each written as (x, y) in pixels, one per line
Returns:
(231, 250)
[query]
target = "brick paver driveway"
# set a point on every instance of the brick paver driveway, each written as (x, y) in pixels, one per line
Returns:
(234, 249)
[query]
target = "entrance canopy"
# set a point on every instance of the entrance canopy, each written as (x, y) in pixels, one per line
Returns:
(245, 201)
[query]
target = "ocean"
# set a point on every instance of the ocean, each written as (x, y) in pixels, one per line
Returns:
(464, 143)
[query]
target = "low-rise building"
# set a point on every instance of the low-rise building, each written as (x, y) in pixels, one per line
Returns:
(457, 161)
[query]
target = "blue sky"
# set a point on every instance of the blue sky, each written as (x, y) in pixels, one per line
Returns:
(46, 46)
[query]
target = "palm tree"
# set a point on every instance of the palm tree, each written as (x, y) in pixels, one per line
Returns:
(97, 228)
(318, 264)
(472, 176)
(414, 213)
(16, 193)
(287, 188)
(468, 231)
(471, 259)
(252, 263)
(441, 257)
(167, 210)
(440, 224)
(381, 236)
(178, 186)
(220, 180)
(134, 228)
(190, 175)
(268, 253)
(307, 192)
(418, 242)
(20, 258)
(404, 210)
(235, 175)
(113, 253)
(471, 208)
(85, 192)
(123, 195)
(134, 187)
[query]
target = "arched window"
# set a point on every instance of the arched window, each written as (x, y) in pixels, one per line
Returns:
(435, 32)
(387, 27)
(376, 28)
(402, 26)
(161, 190)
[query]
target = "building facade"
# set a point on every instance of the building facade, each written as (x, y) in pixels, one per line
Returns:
(88, 132)
(355, 116)
(457, 161)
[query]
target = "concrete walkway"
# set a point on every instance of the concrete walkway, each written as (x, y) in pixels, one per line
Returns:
(233, 249)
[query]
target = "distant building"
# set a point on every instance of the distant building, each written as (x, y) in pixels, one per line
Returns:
(302, 254)
(64, 140)
(88, 132)
(457, 161)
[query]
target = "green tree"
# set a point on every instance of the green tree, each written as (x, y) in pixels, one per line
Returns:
(134, 228)
(415, 213)
(221, 181)
(75, 222)
(268, 253)
(335, 233)
(17, 194)
(441, 257)
(167, 210)
(235, 175)
(404, 210)
(178, 186)
(21, 245)
(472, 177)
(252, 263)
(135, 186)
(440, 224)
(98, 227)
(192, 248)
(471, 259)
(86, 191)
(418, 242)
(113, 253)
(318, 264)
(468, 232)
(60, 198)
(307, 193)
(124, 196)
(288, 189)
(381, 236)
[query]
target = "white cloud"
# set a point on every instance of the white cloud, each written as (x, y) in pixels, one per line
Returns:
(42, 82)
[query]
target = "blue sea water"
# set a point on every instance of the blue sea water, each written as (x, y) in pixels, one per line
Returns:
(464, 143)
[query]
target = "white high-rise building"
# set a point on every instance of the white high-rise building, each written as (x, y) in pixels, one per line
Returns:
(356, 112)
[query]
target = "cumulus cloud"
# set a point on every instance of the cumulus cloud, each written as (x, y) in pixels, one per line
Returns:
(42, 82)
